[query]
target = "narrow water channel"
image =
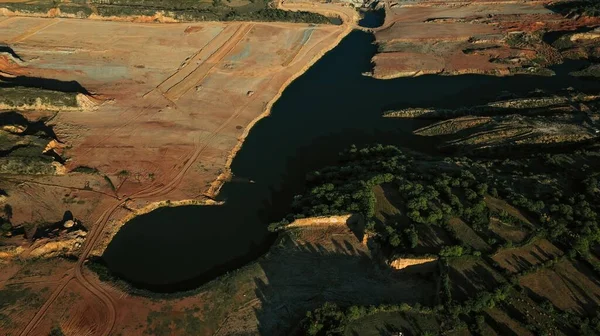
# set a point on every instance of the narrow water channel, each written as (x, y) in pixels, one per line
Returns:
(329, 108)
(372, 18)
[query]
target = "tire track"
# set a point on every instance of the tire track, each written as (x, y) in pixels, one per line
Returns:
(6, 20)
(151, 106)
(33, 31)
(152, 190)
(194, 61)
(57, 186)
(42, 311)
(78, 276)
(187, 83)
(98, 228)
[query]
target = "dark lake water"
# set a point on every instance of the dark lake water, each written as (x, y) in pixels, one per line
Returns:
(372, 18)
(329, 108)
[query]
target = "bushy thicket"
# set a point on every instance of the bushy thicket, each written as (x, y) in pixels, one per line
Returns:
(433, 190)
(330, 319)
(185, 10)
(558, 194)
(573, 8)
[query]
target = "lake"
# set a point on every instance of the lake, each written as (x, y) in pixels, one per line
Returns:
(323, 112)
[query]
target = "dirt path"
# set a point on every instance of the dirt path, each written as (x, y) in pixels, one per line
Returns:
(173, 88)
(93, 288)
(193, 63)
(18, 181)
(190, 81)
(6, 20)
(42, 311)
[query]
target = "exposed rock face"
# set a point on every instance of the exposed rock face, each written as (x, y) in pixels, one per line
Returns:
(69, 244)
(440, 37)
(321, 221)
(593, 35)
(27, 140)
(564, 119)
(10, 252)
(65, 244)
(15, 129)
(402, 263)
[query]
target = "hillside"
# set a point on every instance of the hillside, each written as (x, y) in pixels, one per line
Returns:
(505, 231)
(160, 10)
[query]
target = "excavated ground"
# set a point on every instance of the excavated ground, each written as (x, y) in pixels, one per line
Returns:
(174, 101)
(482, 37)
(166, 106)
(517, 125)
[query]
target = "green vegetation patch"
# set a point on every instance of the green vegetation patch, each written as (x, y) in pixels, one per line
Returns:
(30, 6)
(184, 10)
(410, 323)
(167, 322)
(275, 14)
(9, 140)
(330, 319)
(80, 11)
(19, 96)
(433, 191)
(56, 331)
(85, 170)
(38, 165)
(515, 229)
(14, 299)
(576, 8)
(23, 153)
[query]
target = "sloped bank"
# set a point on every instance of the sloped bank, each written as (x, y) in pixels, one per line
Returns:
(329, 108)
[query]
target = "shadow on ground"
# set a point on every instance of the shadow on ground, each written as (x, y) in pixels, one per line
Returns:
(310, 266)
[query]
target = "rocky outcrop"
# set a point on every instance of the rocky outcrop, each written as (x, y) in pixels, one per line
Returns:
(564, 119)
(343, 220)
(402, 263)
(60, 239)
(10, 252)
(70, 102)
(522, 104)
(68, 244)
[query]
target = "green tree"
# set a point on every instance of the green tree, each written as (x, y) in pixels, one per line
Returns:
(451, 251)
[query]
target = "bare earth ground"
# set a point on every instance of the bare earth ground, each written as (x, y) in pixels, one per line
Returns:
(173, 103)
(176, 100)
(458, 37)
(518, 259)
(307, 267)
(568, 286)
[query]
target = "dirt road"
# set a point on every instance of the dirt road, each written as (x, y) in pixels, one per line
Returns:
(173, 88)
